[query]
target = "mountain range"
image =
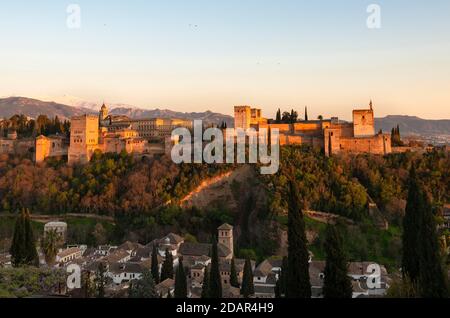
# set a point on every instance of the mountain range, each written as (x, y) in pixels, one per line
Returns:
(409, 125)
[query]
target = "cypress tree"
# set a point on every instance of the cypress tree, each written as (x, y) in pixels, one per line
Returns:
(247, 288)
(167, 267)
(411, 225)
(421, 254)
(278, 119)
(233, 275)
(215, 281)
(337, 283)
(155, 265)
(306, 113)
(432, 280)
(180, 281)
(32, 257)
(23, 248)
(205, 284)
(298, 283)
(17, 249)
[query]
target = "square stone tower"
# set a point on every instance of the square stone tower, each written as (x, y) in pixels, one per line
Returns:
(363, 122)
(226, 236)
(242, 117)
(84, 133)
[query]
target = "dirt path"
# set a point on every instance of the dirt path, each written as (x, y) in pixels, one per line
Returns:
(219, 189)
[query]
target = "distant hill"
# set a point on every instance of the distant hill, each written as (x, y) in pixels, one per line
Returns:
(33, 108)
(410, 125)
(207, 117)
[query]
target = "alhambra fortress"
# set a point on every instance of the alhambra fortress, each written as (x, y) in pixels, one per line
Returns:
(331, 135)
(147, 137)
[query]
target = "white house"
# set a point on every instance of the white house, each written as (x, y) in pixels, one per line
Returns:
(125, 272)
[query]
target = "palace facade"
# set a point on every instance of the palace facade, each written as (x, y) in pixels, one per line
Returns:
(109, 134)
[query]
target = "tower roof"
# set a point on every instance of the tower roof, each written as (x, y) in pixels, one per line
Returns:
(225, 226)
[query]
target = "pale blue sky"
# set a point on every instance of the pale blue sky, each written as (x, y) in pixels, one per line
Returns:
(285, 53)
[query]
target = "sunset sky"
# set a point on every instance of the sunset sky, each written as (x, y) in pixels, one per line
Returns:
(192, 55)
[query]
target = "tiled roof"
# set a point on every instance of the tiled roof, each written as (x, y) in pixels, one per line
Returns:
(118, 268)
(116, 256)
(201, 249)
(168, 283)
(195, 249)
(130, 246)
(225, 226)
(68, 252)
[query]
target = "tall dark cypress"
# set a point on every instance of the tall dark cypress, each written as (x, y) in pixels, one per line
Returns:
(32, 257)
(23, 247)
(432, 280)
(233, 275)
(167, 267)
(337, 283)
(215, 283)
(205, 284)
(411, 226)
(278, 119)
(155, 265)
(306, 113)
(421, 254)
(180, 281)
(248, 288)
(18, 248)
(298, 283)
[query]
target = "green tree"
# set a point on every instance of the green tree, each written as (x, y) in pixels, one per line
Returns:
(233, 275)
(432, 280)
(180, 281)
(421, 259)
(278, 117)
(411, 225)
(23, 247)
(337, 283)
(205, 284)
(50, 244)
(215, 282)
(248, 288)
(155, 265)
(167, 267)
(100, 280)
(144, 287)
(298, 283)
